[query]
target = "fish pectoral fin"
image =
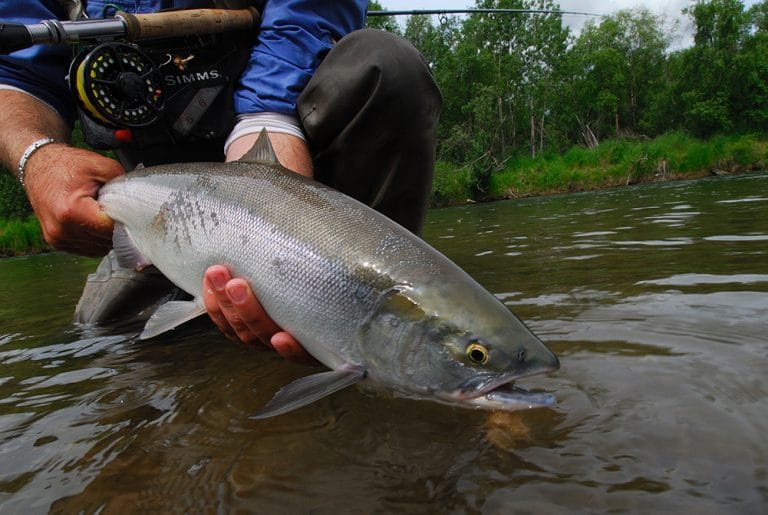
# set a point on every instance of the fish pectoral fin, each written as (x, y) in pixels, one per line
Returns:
(171, 315)
(309, 389)
(126, 253)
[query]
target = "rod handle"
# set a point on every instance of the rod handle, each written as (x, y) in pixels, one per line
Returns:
(183, 23)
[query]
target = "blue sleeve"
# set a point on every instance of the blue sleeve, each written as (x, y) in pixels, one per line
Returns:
(295, 35)
(39, 70)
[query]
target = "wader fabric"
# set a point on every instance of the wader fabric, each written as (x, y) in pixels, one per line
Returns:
(370, 115)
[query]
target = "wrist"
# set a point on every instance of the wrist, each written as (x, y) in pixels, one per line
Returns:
(24, 120)
(31, 149)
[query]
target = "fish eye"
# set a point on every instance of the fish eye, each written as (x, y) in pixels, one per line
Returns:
(477, 353)
(521, 355)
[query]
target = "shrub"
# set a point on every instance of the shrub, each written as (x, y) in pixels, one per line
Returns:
(451, 183)
(21, 236)
(13, 200)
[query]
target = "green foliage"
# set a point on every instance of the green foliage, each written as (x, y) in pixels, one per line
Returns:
(618, 66)
(619, 162)
(19, 230)
(13, 200)
(744, 152)
(451, 184)
(720, 24)
(388, 23)
(519, 90)
(20, 236)
(723, 78)
(516, 84)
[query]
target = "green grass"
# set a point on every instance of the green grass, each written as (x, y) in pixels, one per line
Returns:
(451, 184)
(614, 163)
(21, 236)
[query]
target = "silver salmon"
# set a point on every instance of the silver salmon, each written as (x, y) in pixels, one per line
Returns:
(367, 298)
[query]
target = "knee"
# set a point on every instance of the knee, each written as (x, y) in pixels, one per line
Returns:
(398, 64)
(370, 79)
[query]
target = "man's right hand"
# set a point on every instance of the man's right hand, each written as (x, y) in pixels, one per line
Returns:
(238, 314)
(62, 184)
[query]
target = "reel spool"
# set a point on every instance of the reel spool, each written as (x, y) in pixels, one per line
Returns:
(119, 85)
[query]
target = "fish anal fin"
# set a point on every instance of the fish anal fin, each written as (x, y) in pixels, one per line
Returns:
(309, 389)
(171, 315)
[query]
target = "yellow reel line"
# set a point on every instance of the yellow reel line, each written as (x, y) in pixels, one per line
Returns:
(117, 84)
(84, 98)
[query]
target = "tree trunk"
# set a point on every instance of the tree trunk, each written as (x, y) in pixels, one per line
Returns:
(533, 128)
(500, 109)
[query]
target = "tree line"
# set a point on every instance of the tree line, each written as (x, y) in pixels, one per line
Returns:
(517, 83)
(525, 84)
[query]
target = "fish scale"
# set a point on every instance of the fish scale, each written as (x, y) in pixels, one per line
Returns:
(366, 297)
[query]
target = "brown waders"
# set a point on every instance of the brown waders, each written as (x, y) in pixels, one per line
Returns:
(370, 115)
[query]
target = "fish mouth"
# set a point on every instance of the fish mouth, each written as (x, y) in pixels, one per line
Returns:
(509, 397)
(500, 393)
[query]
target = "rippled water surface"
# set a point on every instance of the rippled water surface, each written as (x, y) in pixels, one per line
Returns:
(655, 298)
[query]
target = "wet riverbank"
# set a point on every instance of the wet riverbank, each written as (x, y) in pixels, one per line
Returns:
(613, 163)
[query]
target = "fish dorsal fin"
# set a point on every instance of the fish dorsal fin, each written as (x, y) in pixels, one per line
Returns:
(309, 389)
(261, 151)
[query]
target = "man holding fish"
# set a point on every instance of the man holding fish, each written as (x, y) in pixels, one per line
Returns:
(316, 99)
(355, 109)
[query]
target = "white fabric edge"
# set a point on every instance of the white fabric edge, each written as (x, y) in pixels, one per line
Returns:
(254, 123)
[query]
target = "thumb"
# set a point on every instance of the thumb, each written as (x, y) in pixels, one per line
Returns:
(93, 217)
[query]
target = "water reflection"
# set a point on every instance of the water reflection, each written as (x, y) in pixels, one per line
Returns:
(655, 298)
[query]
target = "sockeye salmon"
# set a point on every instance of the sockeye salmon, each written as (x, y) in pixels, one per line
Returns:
(366, 297)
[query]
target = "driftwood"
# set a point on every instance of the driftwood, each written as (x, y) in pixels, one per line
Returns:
(587, 135)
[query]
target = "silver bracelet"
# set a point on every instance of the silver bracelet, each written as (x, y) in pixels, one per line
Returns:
(34, 146)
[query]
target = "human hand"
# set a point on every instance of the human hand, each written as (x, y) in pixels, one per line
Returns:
(62, 184)
(238, 314)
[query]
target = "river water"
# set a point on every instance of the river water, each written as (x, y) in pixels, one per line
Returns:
(654, 297)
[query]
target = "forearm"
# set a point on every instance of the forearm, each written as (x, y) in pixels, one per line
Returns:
(24, 120)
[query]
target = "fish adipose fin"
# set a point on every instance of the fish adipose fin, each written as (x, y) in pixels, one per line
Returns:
(126, 252)
(308, 389)
(171, 315)
(261, 151)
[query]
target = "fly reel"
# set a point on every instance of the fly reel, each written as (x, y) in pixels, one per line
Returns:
(119, 85)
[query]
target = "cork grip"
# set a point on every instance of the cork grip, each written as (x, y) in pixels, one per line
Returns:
(183, 23)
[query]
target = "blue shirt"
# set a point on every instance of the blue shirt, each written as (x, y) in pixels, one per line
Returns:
(294, 37)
